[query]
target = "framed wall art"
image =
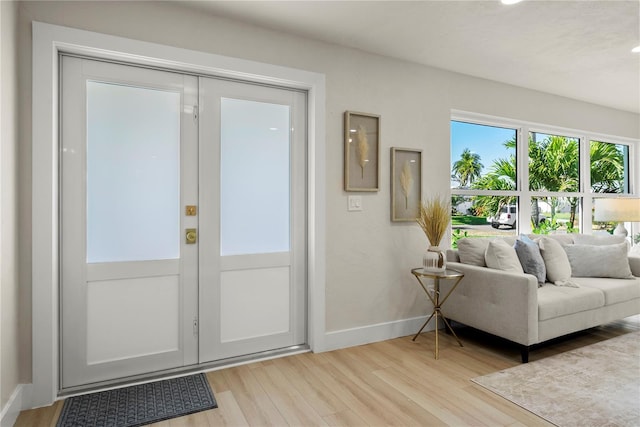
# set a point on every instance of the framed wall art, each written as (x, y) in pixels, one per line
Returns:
(406, 183)
(361, 151)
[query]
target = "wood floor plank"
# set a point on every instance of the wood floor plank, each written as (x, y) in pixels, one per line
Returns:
(293, 407)
(404, 411)
(199, 419)
(217, 381)
(358, 400)
(344, 418)
(228, 412)
(394, 382)
(253, 400)
(41, 417)
(319, 397)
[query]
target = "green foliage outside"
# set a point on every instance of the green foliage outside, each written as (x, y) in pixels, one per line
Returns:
(457, 235)
(468, 220)
(553, 167)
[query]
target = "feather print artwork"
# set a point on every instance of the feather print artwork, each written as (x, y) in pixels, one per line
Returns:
(405, 182)
(363, 148)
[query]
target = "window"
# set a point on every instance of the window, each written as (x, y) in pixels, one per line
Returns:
(503, 183)
(483, 157)
(609, 167)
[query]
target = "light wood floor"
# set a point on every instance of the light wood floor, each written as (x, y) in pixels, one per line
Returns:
(395, 382)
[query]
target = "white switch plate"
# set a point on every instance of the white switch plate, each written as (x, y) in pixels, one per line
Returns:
(355, 203)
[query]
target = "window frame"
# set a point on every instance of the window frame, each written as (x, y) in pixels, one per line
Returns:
(522, 191)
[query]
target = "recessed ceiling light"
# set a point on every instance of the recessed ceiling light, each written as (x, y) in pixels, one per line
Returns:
(510, 1)
(636, 49)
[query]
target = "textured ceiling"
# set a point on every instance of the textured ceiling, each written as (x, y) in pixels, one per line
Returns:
(577, 49)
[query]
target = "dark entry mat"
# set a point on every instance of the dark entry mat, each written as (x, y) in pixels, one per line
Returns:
(139, 404)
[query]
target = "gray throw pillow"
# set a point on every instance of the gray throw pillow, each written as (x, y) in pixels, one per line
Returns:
(599, 261)
(530, 258)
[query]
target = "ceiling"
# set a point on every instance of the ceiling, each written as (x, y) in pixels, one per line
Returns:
(578, 49)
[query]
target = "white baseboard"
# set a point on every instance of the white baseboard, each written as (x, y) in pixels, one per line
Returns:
(20, 399)
(374, 333)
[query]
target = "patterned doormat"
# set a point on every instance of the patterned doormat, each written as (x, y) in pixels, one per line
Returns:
(139, 404)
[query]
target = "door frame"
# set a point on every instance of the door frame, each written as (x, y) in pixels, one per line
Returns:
(50, 40)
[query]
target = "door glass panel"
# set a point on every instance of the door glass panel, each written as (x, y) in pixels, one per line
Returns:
(133, 166)
(254, 177)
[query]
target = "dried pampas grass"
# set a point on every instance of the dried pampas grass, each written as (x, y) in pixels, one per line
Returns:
(435, 214)
(405, 182)
(363, 148)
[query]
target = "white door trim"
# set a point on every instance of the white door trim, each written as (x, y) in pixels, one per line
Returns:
(48, 41)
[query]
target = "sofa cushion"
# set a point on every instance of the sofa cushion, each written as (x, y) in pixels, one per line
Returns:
(597, 239)
(615, 290)
(599, 261)
(501, 256)
(556, 301)
(530, 258)
(563, 239)
(471, 251)
(556, 262)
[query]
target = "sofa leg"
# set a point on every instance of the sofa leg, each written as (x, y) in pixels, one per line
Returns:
(524, 352)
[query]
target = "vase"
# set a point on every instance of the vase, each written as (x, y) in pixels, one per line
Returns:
(434, 260)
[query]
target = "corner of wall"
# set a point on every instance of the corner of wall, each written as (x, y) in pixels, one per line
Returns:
(20, 399)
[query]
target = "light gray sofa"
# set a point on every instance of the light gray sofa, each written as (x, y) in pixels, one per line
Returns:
(513, 305)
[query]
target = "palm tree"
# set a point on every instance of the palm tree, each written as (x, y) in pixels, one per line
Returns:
(501, 176)
(467, 169)
(607, 168)
(553, 166)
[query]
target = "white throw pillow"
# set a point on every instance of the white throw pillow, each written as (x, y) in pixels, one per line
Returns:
(471, 251)
(556, 262)
(500, 256)
(599, 261)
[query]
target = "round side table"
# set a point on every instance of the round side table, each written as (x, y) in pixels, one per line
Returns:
(449, 274)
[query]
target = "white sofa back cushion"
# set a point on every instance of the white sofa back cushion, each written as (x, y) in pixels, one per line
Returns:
(501, 256)
(471, 250)
(598, 240)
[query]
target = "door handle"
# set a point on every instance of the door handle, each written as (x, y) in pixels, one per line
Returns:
(191, 236)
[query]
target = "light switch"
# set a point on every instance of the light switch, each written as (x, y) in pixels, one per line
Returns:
(355, 203)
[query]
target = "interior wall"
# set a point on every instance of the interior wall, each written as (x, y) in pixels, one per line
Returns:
(9, 284)
(368, 257)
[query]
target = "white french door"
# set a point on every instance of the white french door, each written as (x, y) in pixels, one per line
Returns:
(183, 220)
(252, 227)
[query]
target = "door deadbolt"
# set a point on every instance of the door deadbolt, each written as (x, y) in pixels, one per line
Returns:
(190, 236)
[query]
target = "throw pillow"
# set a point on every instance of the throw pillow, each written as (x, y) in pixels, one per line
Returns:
(599, 261)
(500, 256)
(471, 251)
(556, 262)
(530, 258)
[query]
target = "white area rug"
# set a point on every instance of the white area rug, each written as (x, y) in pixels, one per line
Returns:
(597, 385)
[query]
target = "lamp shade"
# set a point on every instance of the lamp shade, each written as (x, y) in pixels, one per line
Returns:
(617, 210)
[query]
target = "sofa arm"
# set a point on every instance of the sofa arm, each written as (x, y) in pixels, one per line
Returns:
(494, 301)
(634, 264)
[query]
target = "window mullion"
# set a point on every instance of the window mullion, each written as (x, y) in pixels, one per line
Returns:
(585, 183)
(524, 211)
